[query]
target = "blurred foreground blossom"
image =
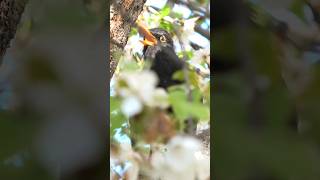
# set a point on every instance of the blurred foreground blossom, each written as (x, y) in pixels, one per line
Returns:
(181, 160)
(202, 165)
(124, 163)
(138, 89)
(131, 106)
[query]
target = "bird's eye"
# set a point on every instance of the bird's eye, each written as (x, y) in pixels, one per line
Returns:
(162, 38)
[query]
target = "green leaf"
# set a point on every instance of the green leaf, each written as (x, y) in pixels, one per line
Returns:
(133, 31)
(116, 116)
(189, 54)
(176, 87)
(166, 25)
(184, 109)
(196, 94)
(177, 15)
(165, 11)
(129, 66)
(194, 79)
(178, 75)
(114, 103)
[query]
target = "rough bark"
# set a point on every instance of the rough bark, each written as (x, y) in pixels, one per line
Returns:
(123, 14)
(10, 14)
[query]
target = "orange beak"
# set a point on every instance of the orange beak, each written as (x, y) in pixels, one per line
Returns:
(149, 39)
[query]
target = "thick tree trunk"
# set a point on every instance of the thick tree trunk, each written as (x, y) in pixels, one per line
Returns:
(123, 14)
(10, 14)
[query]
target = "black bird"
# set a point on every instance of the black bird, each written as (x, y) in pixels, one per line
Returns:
(159, 49)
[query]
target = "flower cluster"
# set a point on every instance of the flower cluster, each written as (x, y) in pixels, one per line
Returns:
(182, 159)
(139, 89)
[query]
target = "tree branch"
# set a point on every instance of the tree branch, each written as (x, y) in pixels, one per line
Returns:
(10, 15)
(123, 14)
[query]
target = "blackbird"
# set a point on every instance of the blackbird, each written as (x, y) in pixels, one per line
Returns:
(159, 50)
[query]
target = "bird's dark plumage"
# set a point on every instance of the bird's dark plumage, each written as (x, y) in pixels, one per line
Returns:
(164, 61)
(159, 50)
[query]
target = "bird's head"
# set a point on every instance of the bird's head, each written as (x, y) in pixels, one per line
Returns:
(155, 37)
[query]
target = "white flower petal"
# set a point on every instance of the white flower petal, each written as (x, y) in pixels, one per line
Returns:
(131, 106)
(190, 23)
(181, 160)
(180, 154)
(202, 165)
(200, 56)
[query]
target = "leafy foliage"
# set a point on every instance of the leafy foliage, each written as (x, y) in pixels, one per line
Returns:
(145, 107)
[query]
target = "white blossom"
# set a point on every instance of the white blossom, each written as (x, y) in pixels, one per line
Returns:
(125, 163)
(201, 56)
(202, 165)
(180, 152)
(187, 31)
(131, 106)
(140, 90)
(181, 160)
(142, 83)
